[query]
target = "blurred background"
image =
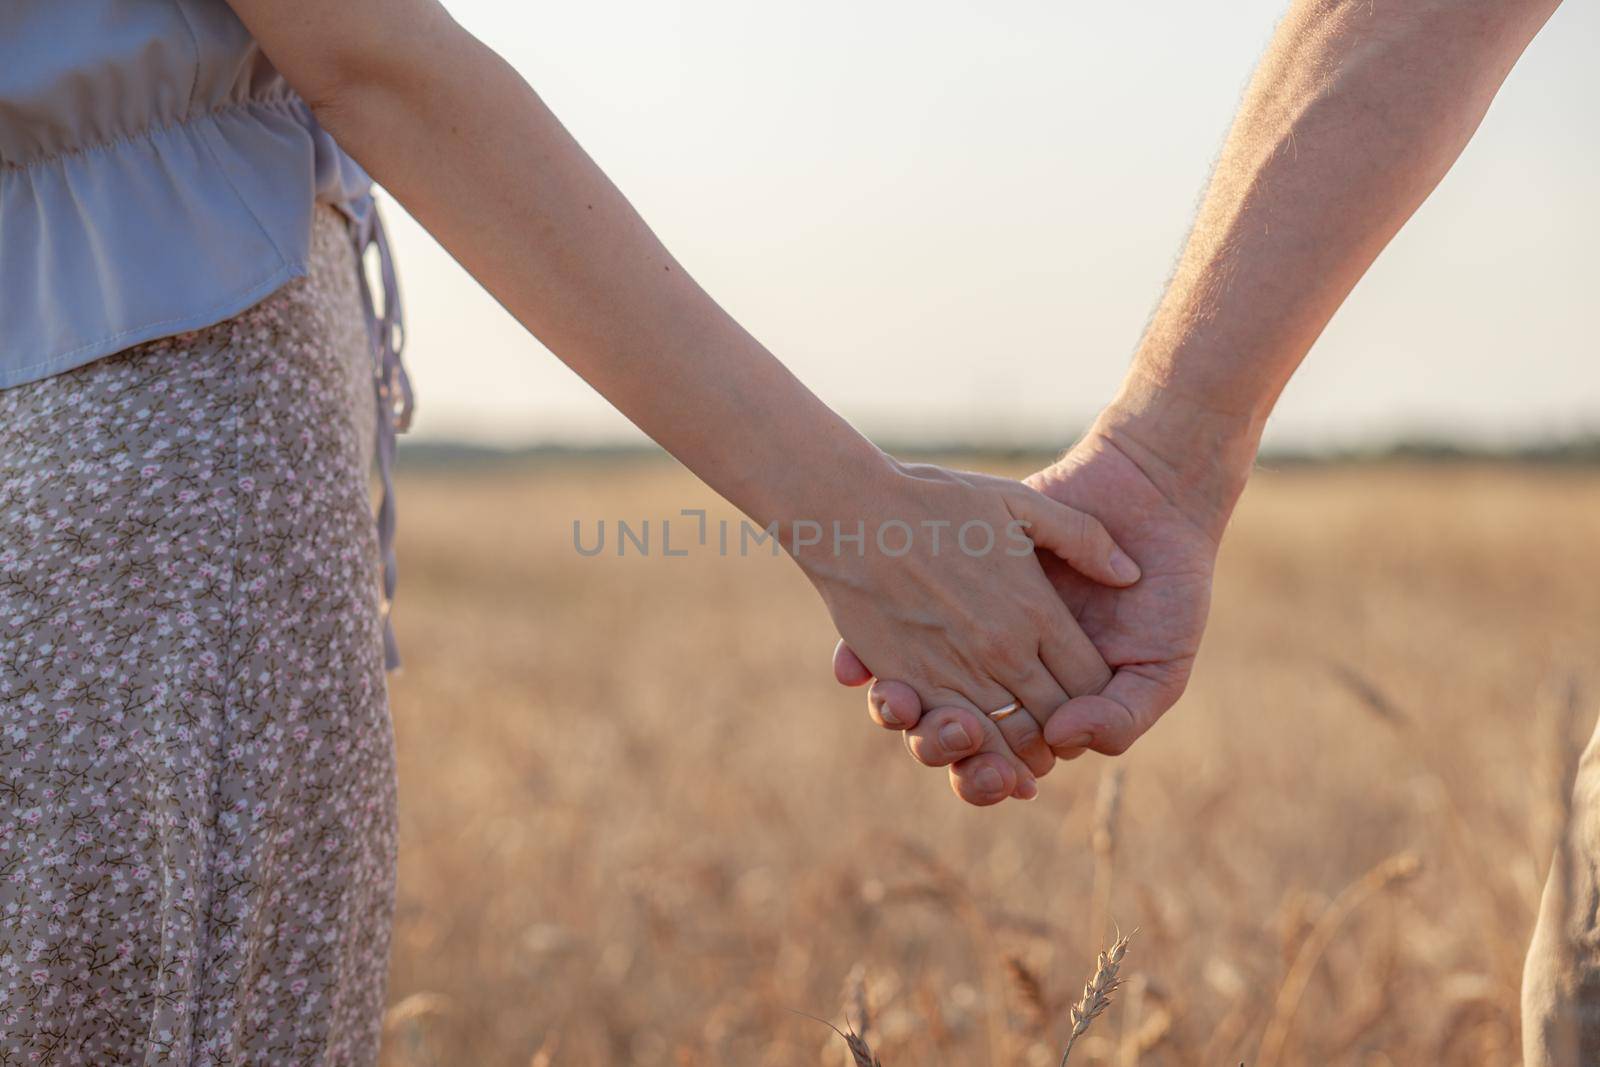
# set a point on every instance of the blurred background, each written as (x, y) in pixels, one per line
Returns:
(953, 218)
(641, 825)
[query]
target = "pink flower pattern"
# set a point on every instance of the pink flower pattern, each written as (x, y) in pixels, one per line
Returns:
(197, 785)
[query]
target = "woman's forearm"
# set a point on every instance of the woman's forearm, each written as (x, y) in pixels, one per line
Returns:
(453, 132)
(1353, 116)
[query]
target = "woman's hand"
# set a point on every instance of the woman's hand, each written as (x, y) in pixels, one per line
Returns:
(1171, 518)
(941, 589)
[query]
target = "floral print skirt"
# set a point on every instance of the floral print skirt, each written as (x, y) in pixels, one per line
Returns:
(197, 783)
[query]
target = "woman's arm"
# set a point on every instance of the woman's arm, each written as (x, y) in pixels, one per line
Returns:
(451, 130)
(457, 136)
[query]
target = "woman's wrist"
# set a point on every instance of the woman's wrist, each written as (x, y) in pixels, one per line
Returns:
(810, 495)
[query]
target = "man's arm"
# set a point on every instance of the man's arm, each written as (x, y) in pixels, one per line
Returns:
(1356, 112)
(1354, 115)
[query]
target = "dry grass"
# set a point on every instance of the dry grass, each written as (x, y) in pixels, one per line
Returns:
(641, 825)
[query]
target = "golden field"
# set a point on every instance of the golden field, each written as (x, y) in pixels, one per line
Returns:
(642, 825)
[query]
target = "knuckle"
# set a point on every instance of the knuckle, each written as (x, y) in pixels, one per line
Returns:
(1040, 615)
(1000, 647)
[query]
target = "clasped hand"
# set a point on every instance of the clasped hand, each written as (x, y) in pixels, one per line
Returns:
(1093, 650)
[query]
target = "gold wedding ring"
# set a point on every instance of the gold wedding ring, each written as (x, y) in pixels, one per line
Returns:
(1000, 713)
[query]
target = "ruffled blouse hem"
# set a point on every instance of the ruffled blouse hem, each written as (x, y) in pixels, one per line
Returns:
(152, 234)
(233, 304)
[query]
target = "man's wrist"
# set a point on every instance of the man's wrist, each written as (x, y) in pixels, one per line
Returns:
(1199, 455)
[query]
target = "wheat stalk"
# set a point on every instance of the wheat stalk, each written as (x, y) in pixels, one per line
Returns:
(1397, 868)
(1030, 989)
(860, 1051)
(1103, 838)
(1097, 992)
(855, 999)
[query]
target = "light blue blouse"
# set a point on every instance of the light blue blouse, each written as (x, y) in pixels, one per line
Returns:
(157, 175)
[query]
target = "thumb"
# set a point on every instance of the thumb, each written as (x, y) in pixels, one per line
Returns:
(1112, 720)
(1076, 537)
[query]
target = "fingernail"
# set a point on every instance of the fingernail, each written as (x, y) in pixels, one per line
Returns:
(1123, 566)
(989, 781)
(1075, 741)
(887, 715)
(1027, 789)
(954, 737)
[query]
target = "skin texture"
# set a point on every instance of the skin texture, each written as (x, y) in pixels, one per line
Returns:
(1355, 113)
(451, 130)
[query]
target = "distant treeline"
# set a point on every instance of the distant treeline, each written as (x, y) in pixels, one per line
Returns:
(1577, 451)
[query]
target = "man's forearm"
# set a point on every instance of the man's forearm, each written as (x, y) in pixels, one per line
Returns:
(1353, 116)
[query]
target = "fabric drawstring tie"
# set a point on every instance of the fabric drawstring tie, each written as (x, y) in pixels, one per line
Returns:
(392, 389)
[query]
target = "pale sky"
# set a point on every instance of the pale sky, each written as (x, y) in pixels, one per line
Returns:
(953, 217)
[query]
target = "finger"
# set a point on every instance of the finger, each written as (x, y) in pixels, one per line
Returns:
(1073, 664)
(956, 729)
(1071, 658)
(894, 705)
(848, 668)
(992, 741)
(982, 780)
(1074, 536)
(972, 783)
(945, 735)
(1024, 737)
(1039, 694)
(1112, 720)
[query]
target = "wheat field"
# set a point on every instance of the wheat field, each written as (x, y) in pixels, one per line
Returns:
(641, 825)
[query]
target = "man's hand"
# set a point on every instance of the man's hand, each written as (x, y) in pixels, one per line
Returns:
(1148, 633)
(972, 624)
(1354, 115)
